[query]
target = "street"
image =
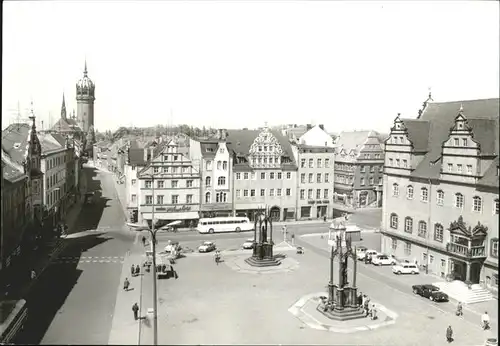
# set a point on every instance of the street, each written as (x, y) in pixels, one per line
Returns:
(73, 300)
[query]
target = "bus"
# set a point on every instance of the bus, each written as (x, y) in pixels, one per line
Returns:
(13, 314)
(224, 224)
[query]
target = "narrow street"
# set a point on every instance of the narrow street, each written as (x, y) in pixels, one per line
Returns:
(73, 301)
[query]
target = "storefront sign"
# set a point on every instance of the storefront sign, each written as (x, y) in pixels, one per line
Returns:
(174, 209)
(319, 201)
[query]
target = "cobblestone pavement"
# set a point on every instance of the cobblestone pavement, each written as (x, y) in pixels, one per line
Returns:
(207, 299)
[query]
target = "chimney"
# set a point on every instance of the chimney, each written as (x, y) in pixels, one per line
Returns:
(321, 126)
(308, 127)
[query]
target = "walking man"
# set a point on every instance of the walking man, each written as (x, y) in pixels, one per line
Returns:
(135, 309)
(126, 284)
(293, 239)
(143, 241)
(449, 334)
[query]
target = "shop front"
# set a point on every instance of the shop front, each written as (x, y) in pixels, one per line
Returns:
(314, 209)
(187, 214)
(216, 210)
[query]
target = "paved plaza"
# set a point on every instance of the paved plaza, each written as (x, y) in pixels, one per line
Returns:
(210, 304)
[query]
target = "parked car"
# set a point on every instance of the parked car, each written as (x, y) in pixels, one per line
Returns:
(248, 244)
(361, 255)
(405, 268)
(361, 249)
(383, 260)
(491, 342)
(430, 291)
(207, 246)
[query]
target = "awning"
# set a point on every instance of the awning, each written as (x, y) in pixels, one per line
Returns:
(172, 216)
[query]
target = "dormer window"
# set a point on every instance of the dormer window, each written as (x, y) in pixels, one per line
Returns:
(464, 142)
(456, 142)
(460, 125)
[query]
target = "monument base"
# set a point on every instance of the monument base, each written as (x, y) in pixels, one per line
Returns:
(263, 256)
(342, 315)
(265, 262)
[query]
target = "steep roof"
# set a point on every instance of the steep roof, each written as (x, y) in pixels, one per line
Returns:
(49, 142)
(352, 140)
(15, 141)
(490, 177)
(66, 125)
(11, 170)
(418, 133)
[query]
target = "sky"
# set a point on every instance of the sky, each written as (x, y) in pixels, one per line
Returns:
(346, 65)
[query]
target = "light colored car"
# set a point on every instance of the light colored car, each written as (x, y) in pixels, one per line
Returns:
(361, 249)
(405, 268)
(207, 246)
(248, 244)
(361, 255)
(383, 260)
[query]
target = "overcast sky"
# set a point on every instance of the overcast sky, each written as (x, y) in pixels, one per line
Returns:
(239, 64)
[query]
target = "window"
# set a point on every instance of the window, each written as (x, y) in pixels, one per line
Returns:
(469, 169)
(288, 192)
(409, 192)
(271, 175)
(327, 178)
(407, 248)
(149, 184)
(245, 176)
(176, 157)
(245, 193)
(134, 181)
(221, 181)
(496, 206)
(209, 165)
(450, 167)
(271, 192)
(456, 142)
(175, 199)
(327, 163)
(394, 243)
(464, 142)
(302, 163)
(224, 165)
(175, 183)
(288, 175)
(262, 192)
(208, 181)
(149, 199)
(302, 178)
(263, 175)
(309, 194)
(278, 192)
(431, 259)
(318, 177)
(372, 169)
(494, 248)
(405, 163)
(311, 177)
(362, 181)
(238, 176)
(408, 225)
(318, 193)
(156, 169)
(279, 175)
(165, 169)
(477, 204)
(219, 165)
(363, 169)
(325, 194)
(459, 168)
(438, 232)
(238, 193)
(220, 197)
(319, 163)
(395, 190)
(394, 221)
(398, 163)
(159, 200)
(422, 229)
(311, 163)
(160, 184)
(189, 183)
(424, 194)
(459, 200)
(440, 197)
(252, 193)
(174, 170)
(134, 198)
(391, 162)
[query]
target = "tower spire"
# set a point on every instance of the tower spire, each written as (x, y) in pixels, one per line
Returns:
(85, 69)
(63, 108)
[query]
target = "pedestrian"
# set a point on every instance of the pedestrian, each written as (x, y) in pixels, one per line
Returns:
(132, 270)
(293, 239)
(143, 241)
(126, 284)
(374, 312)
(137, 270)
(449, 334)
(360, 299)
(135, 309)
(324, 218)
(33, 275)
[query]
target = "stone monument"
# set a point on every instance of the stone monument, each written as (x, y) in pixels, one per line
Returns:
(262, 255)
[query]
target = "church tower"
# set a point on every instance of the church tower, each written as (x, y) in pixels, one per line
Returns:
(85, 101)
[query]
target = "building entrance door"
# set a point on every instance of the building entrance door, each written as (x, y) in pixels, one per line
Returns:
(275, 214)
(458, 270)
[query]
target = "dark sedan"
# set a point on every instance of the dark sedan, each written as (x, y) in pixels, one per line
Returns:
(430, 291)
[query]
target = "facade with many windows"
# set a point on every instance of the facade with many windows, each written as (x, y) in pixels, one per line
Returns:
(441, 208)
(265, 173)
(169, 187)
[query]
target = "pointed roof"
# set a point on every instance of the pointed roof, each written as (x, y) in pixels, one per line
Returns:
(63, 108)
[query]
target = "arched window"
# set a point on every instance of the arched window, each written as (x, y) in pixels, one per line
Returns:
(221, 181)
(394, 221)
(208, 197)
(408, 225)
(224, 165)
(395, 190)
(221, 197)
(208, 181)
(438, 232)
(440, 197)
(459, 200)
(422, 229)
(477, 204)
(424, 194)
(409, 192)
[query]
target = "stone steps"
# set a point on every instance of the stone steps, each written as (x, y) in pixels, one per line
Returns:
(459, 291)
(267, 262)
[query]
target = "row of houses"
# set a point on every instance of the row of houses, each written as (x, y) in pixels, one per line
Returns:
(40, 182)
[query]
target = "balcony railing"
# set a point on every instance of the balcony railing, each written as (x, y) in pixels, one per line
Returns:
(472, 252)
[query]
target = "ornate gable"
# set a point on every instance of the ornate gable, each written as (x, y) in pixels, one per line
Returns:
(265, 151)
(459, 227)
